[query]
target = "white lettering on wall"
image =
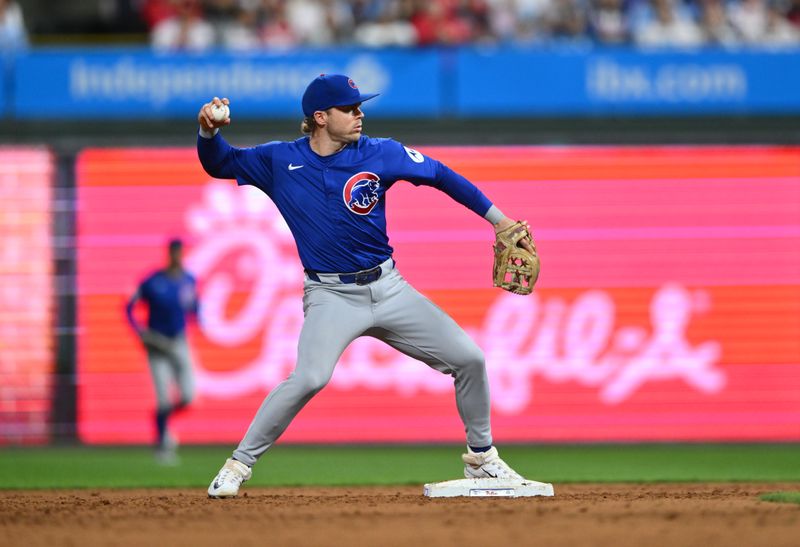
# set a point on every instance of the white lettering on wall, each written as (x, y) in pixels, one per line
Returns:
(525, 340)
(159, 82)
(609, 80)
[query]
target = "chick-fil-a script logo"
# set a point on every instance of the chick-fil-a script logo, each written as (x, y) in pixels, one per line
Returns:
(523, 337)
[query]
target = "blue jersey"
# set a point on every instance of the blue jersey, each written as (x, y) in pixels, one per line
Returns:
(168, 299)
(335, 205)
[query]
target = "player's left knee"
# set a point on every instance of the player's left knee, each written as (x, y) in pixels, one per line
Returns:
(309, 382)
(473, 360)
(186, 394)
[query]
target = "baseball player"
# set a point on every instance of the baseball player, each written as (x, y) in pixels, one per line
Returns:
(170, 294)
(330, 186)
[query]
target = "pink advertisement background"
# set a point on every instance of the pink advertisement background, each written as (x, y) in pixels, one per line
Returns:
(26, 293)
(668, 307)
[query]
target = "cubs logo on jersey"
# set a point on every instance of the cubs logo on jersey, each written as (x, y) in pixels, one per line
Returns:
(360, 192)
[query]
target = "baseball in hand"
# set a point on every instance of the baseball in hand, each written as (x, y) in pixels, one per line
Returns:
(220, 112)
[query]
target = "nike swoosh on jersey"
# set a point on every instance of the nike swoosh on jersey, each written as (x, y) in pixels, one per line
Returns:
(293, 167)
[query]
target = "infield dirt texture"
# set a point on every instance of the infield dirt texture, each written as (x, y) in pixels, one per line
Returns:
(606, 495)
(605, 514)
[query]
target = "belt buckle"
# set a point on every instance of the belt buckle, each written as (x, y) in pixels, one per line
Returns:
(367, 277)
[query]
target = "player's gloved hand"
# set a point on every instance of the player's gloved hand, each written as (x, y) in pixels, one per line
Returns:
(526, 243)
(206, 117)
(516, 263)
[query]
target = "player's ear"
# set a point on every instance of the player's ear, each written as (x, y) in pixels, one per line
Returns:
(321, 117)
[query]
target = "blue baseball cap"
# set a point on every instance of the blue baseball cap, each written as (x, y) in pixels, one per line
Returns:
(329, 90)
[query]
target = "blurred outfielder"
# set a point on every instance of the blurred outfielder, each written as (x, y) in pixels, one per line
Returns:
(330, 187)
(170, 295)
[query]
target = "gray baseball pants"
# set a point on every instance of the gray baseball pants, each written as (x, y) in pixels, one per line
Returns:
(175, 363)
(388, 309)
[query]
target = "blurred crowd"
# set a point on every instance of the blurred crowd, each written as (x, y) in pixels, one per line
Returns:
(280, 24)
(198, 25)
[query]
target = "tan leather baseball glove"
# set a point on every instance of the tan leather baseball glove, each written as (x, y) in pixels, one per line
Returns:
(515, 268)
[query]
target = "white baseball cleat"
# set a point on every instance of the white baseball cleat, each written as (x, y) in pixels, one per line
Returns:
(227, 482)
(166, 457)
(170, 441)
(487, 465)
(167, 452)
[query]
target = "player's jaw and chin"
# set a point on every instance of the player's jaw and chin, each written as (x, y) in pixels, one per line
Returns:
(345, 123)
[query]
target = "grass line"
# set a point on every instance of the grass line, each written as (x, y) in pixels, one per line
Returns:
(291, 465)
(782, 497)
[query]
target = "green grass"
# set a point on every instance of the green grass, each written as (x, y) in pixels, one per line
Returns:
(124, 467)
(782, 497)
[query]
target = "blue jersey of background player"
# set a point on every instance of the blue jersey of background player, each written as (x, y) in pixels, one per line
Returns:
(331, 189)
(170, 295)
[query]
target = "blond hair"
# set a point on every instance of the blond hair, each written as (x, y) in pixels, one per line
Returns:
(308, 125)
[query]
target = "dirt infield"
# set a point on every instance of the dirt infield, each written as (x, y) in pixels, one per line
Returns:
(620, 515)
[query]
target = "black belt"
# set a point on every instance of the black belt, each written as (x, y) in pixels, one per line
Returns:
(364, 277)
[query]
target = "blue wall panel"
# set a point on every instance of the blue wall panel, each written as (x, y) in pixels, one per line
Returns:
(570, 82)
(557, 81)
(139, 83)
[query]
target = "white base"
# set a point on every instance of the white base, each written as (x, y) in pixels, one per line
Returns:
(488, 488)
